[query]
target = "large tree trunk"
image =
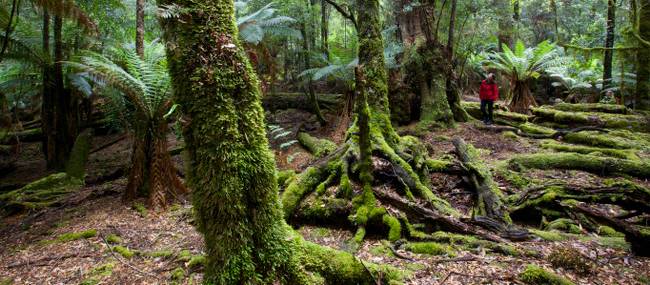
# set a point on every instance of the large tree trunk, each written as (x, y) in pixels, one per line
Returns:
(642, 100)
(609, 44)
(453, 94)
(522, 99)
(139, 27)
(503, 10)
(311, 93)
(231, 169)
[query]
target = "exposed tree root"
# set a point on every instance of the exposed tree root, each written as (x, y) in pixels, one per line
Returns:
(607, 120)
(589, 107)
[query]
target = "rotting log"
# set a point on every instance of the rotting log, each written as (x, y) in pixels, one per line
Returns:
(598, 165)
(283, 101)
(318, 147)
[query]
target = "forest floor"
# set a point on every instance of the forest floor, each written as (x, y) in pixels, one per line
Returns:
(126, 244)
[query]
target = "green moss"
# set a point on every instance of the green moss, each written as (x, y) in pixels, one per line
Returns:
(321, 232)
(178, 274)
(575, 161)
(536, 129)
(285, 176)
(160, 253)
(394, 226)
(197, 261)
(591, 107)
(300, 187)
(113, 238)
(103, 270)
(510, 135)
(6, 281)
(549, 235)
(535, 275)
(77, 235)
(382, 250)
(39, 194)
(318, 147)
(141, 209)
(571, 259)
(184, 255)
(430, 248)
(597, 139)
(124, 251)
(76, 165)
(609, 232)
(625, 154)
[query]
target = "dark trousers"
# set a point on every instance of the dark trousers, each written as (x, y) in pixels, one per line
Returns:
(487, 114)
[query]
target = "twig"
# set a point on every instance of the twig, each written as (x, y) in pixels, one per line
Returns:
(128, 264)
(345, 14)
(399, 255)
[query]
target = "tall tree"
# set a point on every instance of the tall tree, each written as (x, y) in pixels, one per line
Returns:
(504, 13)
(324, 28)
(453, 94)
(643, 57)
(609, 43)
(139, 27)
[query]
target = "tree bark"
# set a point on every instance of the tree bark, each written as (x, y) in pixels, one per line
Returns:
(311, 93)
(324, 28)
(453, 94)
(503, 11)
(609, 44)
(139, 27)
(642, 100)
(231, 169)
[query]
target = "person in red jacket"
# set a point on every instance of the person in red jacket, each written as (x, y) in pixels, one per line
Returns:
(488, 93)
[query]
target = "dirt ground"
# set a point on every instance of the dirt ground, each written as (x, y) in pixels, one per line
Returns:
(165, 243)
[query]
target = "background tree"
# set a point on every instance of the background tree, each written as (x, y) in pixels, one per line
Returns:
(609, 43)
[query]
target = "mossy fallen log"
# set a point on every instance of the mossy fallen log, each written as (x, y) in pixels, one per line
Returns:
(474, 110)
(300, 101)
(606, 120)
(598, 165)
(30, 135)
(617, 153)
(591, 107)
(318, 147)
(609, 140)
(51, 190)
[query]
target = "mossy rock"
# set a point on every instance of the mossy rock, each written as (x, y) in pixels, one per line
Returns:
(535, 275)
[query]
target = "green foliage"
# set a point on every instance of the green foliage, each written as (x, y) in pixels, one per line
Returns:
(255, 25)
(521, 63)
(141, 209)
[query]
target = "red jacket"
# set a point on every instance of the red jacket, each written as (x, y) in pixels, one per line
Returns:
(488, 91)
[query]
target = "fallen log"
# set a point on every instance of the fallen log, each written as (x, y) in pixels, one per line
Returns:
(599, 165)
(605, 120)
(638, 239)
(318, 147)
(423, 213)
(474, 110)
(300, 101)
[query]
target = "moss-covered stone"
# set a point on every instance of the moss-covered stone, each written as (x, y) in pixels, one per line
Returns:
(535, 275)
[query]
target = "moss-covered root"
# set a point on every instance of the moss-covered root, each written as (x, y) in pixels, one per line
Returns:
(474, 109)
(574, 161)
(535, 275)
(591, 107)
(318, 147)
(337, 267)
(489, 198)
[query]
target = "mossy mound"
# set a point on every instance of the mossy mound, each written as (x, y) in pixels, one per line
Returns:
(42, 193)
(569, 258)
(535, 275)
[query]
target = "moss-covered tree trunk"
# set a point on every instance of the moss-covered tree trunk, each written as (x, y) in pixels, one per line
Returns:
(643, 59)
(139, 27)
(609, 44)
(231, 170)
